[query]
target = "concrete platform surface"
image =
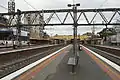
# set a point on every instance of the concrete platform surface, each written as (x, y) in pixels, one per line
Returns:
(89, 68)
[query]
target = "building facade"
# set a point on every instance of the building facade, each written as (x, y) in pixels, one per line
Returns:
(115, 39)
(36, 32)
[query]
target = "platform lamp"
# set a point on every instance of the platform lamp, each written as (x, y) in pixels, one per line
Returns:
(74, 60)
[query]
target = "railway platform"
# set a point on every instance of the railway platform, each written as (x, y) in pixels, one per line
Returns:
(91, 66)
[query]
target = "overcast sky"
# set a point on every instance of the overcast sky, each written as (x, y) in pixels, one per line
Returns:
(56, 4)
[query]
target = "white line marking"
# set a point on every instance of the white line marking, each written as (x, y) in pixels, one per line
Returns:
(19, 72)
(109, 47)
(25, 49)
(115, 66)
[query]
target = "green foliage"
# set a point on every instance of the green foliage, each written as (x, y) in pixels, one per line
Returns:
(107, 32)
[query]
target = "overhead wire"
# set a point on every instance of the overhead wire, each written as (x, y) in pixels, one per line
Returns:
(24, 0)
(93, 28)
(33, 7)
(30, 5)
(3, 7)
(103, 3)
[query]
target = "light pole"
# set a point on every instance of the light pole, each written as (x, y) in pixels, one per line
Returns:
(11, 9)
(75, 27)
(75, 46)
(19, 28)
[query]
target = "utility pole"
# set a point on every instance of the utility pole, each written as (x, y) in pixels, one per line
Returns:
(29, 29)
(93, 33)
(75, 47)
(19, 28)
(74, 60)
(11, 9)
(75, 29)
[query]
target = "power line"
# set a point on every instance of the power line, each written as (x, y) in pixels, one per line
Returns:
(36, 9)
(3, 7)
(103, 3)
(30, 5)
(93, 28)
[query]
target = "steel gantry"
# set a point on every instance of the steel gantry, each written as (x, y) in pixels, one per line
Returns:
(74, 16)
(84, 17)
(105, 16)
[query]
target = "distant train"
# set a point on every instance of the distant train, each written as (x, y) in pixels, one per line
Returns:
(10, 34)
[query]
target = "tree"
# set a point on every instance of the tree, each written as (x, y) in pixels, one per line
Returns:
(107, 32)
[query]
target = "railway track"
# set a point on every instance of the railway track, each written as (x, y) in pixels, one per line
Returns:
(112, 54)
(11, 62)
(9, 48)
